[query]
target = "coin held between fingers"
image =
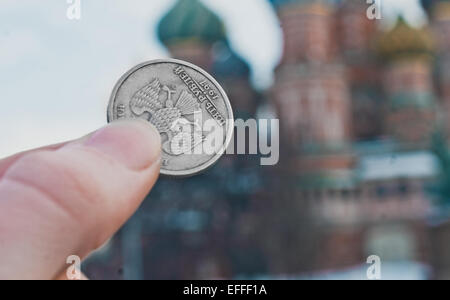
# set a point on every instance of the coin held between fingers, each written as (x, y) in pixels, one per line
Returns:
(187, 106)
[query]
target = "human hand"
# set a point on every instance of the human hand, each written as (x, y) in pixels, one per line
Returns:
(70, 198)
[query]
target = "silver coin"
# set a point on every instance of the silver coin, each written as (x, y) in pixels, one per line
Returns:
(188, 107)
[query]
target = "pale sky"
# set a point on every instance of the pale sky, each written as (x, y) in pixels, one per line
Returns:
(56, 75)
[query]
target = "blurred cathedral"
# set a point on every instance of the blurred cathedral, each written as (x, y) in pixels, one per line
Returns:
(357, 109)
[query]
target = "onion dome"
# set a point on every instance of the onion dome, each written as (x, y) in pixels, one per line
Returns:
(404, 41)
(190, 19)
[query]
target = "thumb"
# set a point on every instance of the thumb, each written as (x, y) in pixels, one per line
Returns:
(69, 200)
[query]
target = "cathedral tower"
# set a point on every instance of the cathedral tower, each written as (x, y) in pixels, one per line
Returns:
(311, 90)
(408, 83)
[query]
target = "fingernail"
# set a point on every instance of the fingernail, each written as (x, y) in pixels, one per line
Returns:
(135, 143)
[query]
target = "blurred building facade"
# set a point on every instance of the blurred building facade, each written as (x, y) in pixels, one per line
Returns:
(357, 107)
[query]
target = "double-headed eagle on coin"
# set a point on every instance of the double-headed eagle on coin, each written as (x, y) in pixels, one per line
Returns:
(183, 135)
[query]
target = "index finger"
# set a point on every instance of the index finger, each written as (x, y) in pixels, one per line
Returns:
(69, 201)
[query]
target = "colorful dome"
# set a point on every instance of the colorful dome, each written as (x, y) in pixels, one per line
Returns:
(190, 19)
(404, 41)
